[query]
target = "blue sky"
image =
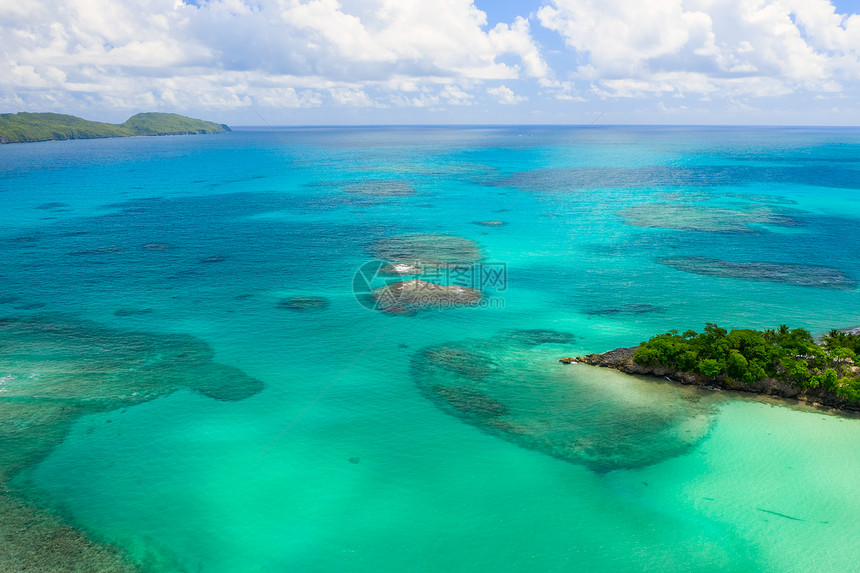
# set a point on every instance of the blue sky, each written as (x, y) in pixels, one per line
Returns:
(299, 62)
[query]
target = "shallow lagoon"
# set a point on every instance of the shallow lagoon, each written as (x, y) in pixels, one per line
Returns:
(341, 461)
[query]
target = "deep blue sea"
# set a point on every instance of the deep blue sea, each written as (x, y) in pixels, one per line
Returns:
(447, 439)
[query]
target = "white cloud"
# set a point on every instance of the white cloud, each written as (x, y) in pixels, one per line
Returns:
(456, 96)
(221, 55)
(736, 47)
(516, 39)
(351, 97)
(505, 95)
(232, 52)
(674, 110)
(621, 36)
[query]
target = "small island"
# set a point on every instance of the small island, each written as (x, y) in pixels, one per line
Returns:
(783, 362)
(406, 297)
(31, 127)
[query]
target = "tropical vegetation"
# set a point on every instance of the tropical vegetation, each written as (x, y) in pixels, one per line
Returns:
(27, 127)
(745, 356)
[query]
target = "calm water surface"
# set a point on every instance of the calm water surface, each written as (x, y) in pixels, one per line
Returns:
(349, 459)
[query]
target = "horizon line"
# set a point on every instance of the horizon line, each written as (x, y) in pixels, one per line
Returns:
(490, 125)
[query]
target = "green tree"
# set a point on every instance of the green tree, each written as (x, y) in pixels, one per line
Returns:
(849, 388)
(795, 369)
(748, 355)
(711, 367)
(736, 365)
(842, 354)
(830, 380)
(687, 360)
(755, 371)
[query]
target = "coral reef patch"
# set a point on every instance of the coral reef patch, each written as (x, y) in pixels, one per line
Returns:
(512, 387)
(786, 273)
(705, 218)
(304, 303)
(54, 369)
(418, 294)
(427, 249)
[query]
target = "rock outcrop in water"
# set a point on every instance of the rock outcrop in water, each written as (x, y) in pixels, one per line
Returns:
(52, 371)
(442, 259)
(418, 294)
(399, 269)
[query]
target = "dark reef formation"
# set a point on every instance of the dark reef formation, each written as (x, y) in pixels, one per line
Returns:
(787, 273)
(441, 259)
(636, 308)
(378, 187)
(706, 218)
(54, 369)
(417, 294)
(51, 206)
(538, 336)
(703, 195)
(124, 312)
(156, 246)
(572, 179)
(304, 303)
(427, 249)
(508, 387)
(96, 251)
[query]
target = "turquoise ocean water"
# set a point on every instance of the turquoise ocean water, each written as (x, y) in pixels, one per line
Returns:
(344, 461)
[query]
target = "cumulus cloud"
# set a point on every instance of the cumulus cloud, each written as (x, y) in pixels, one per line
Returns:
(736, 47)
(231, 53)
(188, 55)
(351, 97)
(505, 95)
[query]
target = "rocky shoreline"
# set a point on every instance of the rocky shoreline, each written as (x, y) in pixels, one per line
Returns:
(622, 359)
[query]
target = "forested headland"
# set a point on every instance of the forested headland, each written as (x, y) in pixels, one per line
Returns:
(30, 127)
(785, 361)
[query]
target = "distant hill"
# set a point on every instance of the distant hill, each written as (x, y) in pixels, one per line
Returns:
(25, 127)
